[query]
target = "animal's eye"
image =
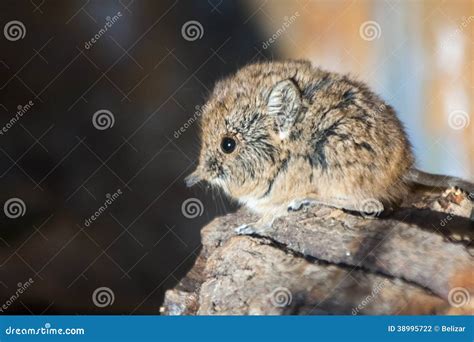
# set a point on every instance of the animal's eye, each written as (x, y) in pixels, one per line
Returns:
(228, 145)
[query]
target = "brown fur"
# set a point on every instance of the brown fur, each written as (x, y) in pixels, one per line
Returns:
(301, 133)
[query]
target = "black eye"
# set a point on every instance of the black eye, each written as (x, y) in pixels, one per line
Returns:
(228, 145)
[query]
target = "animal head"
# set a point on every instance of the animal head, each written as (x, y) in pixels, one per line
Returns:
(245, 126)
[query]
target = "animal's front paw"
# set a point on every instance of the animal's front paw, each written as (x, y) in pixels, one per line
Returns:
(297, 205)
(261, 228)
(246, 229)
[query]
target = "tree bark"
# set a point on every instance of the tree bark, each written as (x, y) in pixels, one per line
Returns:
(417, 259)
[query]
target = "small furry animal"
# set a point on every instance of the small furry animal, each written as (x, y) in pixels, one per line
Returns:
(278, 136)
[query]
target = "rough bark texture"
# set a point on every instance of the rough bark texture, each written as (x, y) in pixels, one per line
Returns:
(416, 260)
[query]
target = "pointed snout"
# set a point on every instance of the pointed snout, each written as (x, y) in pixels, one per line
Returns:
(192, 179)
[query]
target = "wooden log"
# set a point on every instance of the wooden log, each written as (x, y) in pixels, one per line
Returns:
(417, 259)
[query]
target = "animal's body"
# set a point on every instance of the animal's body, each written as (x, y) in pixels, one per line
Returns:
(277, 135)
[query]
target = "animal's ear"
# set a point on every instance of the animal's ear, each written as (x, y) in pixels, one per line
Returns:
(284, 104)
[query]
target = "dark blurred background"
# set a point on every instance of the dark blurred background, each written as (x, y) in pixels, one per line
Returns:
(108, 93)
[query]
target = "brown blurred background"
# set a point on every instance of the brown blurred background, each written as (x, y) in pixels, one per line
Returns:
(149, 69)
